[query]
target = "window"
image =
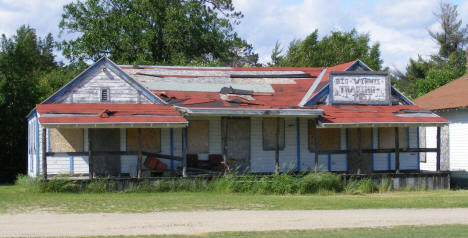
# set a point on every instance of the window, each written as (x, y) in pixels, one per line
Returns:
(104, 94)
(66, 140)
(269, 133)
(387, 137)
(197, 137)
(150, 139)
(328, 138)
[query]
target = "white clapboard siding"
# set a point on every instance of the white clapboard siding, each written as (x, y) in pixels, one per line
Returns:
(89, 90)
(67, 165)
(458, 146)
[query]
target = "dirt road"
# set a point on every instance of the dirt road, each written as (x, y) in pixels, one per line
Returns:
(51, 224)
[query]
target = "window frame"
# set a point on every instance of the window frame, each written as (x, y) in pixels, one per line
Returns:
(309, 145)
(107, 90)
(281, 147)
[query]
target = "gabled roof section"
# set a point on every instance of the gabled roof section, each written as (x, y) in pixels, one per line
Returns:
(451, 95)
(112, 66)
(227, 87)
(322, 89)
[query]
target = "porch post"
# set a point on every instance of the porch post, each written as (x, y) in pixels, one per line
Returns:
(184, 152)
(224, 140)
(139, 153)
(397, 150)
(90, 156)
(277, 145)
(316, 149)
(438, 149)
(359, 150)
(44, 156)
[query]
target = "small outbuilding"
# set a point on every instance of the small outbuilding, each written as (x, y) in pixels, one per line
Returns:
(143, 121)
(451, 102)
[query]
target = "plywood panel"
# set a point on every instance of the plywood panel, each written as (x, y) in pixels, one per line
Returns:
(387, 137)
(269, 133)
(150, 139)
(66, 140)
(328, 138)
(198, 137)
(238, 143)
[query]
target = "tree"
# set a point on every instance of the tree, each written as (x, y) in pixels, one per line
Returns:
(23, 59)
(336, 48)
(423, 76)
(155, 32)
(452, 36)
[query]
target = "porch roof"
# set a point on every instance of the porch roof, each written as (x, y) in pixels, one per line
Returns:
(378, 116)
(109, 115)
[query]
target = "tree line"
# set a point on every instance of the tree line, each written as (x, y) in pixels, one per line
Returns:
(175, 32)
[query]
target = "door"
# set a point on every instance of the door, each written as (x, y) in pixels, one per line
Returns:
(105, 140)
(359, 164)
(238, 144)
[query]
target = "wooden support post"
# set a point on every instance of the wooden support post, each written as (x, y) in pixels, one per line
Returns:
(224, 140)
(397, 150)
(359, 150)
(44, 156)
(184, 152)
(90, 156)
(438, 149)
(277, 132)
(140, 155)
(316, 144)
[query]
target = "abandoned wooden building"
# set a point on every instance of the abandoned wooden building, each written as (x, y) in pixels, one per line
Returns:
(143, 121)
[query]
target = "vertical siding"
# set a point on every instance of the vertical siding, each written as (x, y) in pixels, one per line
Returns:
(458, 146)
(431, 142)
(264, 160)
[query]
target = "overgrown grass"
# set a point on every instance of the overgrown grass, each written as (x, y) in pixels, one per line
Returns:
(278, 184)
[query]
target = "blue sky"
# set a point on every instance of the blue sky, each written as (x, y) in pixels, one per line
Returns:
(400, 26)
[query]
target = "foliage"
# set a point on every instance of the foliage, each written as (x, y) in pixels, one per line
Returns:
(336, 48)
(23, 59)
(155, 32)
(360, 186)
(423, 76)
(28, 183)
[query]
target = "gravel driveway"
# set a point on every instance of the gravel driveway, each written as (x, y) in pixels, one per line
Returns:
(52, 224)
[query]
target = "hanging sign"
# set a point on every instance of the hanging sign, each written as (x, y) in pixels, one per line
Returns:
(363, 88)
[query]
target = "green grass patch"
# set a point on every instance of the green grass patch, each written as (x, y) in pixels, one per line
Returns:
(17, 199)
(446, 231)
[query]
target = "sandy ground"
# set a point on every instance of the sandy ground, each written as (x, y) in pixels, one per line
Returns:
(51, 224)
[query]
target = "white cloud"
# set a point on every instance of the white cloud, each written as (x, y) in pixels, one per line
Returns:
(400, 26)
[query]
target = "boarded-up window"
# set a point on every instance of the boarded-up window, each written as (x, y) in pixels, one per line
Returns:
(66, 140)
(150, 139)
(387, 137)
(269, 133)
(197, 137)
(328, 138)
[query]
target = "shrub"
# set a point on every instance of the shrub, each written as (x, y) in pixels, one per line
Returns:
(101, 186)
(57, 185)
(28, 183)
(320, 182)
(360, 186)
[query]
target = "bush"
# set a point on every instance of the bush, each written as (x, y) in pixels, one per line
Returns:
(101, 186)
(57, 185)
(28, 183)
(320, 182)
(361, 186)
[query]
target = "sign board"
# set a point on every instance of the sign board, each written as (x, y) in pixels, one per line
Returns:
(365, 88)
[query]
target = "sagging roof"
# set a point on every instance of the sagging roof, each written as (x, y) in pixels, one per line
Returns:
(148, 115)
(451, 95)
(222, 87)
(380, 116)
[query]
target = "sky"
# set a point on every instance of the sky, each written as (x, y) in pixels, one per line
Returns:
(400, 26)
